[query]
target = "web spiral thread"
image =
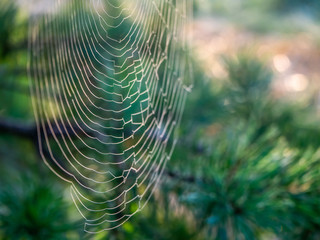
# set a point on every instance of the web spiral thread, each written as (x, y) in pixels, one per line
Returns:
(109, 84)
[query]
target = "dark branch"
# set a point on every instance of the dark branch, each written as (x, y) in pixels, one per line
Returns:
(18, 128)
(188, 179)
(29, 130)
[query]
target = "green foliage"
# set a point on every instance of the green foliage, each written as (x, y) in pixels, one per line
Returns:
(14, 88)
(246, 166)
(248, 86)
(162, 228)
(30, 209)
(257, 172)
(8, 13)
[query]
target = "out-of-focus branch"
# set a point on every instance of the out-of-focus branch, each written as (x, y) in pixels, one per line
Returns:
(177, 176)
(18, 128)
(29, 130)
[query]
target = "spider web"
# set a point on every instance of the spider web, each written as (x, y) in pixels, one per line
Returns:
(109, 84)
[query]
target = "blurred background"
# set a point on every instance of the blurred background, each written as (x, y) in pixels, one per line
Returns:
(247, 164)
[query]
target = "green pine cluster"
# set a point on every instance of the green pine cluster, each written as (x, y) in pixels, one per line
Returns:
(247, 165)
